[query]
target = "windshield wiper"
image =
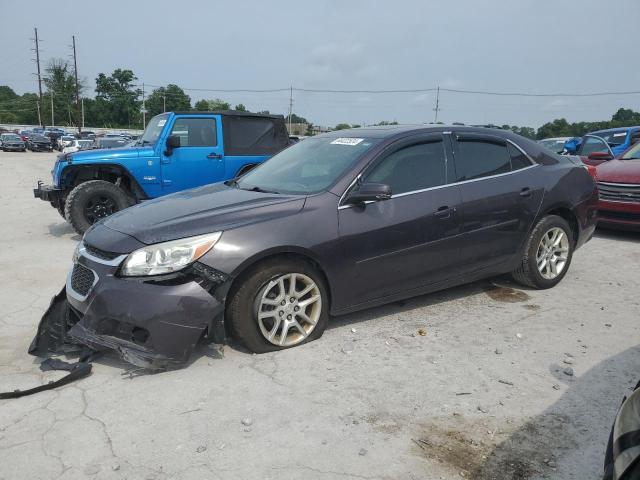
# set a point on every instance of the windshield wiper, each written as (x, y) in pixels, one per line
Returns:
(258, 189)
(231, 183)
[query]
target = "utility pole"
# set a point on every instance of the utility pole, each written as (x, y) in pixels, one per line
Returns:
(75, 69)
(437, 104)
(52, 117)
(290, 106)
(82, 104)
(144, 109)
(37, 49)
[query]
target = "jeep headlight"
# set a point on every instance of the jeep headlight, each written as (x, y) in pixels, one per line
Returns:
(168, 257)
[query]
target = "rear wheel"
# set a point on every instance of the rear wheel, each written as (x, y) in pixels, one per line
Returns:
(547, 254)
(280, 304)
(93, 200)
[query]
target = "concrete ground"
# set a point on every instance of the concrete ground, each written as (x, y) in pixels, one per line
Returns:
(482, 394)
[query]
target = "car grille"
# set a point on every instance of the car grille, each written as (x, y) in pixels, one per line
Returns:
(619, 192)
(82, 279)
(96, 252)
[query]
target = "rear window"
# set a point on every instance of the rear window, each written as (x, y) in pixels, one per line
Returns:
(246, 135)
(479, 158)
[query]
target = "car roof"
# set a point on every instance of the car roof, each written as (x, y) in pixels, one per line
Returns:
(618, 129)
(230, 113)
(387, 131)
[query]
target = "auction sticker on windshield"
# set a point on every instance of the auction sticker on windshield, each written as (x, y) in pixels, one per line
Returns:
(347, 141)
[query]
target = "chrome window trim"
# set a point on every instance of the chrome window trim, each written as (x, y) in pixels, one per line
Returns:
(71, 292)
(413, 192)
(112, 263)
(531, 160)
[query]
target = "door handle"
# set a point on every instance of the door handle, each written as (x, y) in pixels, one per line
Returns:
(214, 156)
(525, 192)
(444, 212)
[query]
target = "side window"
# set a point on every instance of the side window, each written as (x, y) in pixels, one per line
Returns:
(635, 137)
(592, 144)
(412, 168)
(518, 159)
(196, 132)
(481, 158)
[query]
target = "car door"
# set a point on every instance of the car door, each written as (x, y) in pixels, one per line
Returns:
(200, 158)
(501, 194)
(404, 242)
(595, 150)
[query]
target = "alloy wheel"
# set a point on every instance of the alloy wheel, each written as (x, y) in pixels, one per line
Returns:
(552, 253)
(99, 206)
(288, 308)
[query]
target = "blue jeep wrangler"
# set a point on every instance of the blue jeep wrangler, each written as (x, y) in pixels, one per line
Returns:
(178, 150)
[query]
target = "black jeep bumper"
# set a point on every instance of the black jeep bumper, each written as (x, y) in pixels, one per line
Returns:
(50, 194)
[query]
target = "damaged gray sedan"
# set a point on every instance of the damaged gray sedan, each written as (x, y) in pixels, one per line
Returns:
(334, 224)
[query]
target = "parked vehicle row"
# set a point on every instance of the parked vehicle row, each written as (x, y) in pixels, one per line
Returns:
(334, 224)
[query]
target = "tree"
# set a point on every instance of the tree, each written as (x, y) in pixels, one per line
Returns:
(167, 99)
(384, 122)
(240, 108)
(201, 106)
(342, 126)
(117, 98)
(61, 91)
(212, 105)
(297, 119)
(309, 132)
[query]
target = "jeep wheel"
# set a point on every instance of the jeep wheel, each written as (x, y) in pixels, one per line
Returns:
(93, 200)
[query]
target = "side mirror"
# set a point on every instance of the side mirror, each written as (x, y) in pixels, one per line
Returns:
(370, 192)
(172, 142)
(602, 156)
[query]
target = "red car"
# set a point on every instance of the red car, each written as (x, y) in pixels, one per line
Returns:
(619, 186)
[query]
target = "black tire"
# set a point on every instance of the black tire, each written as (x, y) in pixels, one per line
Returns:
(241, 313)
(81, 199)
(528, 273)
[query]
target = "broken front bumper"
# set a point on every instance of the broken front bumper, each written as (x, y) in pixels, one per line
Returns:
(49, 193)
(150, 322)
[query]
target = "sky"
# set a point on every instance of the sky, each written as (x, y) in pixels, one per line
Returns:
(522, 46)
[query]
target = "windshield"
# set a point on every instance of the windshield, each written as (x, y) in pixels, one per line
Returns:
(153, 130)
(632, 154)
(10, 137)
(613, 138)
(308, 167)
(556, 146)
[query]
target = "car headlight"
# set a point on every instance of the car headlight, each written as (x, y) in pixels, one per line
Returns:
(168, 257)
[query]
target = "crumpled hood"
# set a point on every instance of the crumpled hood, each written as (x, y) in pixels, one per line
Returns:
(198, 211)
(619, 171)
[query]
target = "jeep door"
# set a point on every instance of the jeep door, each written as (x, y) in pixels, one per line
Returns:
(199, 159)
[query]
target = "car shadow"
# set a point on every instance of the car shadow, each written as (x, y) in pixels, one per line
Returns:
(63, 229)
(568, 439)
(501, 288)
(620, 235)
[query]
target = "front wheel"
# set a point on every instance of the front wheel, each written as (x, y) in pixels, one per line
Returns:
(93, 200)
(279, 304)
(547, 255)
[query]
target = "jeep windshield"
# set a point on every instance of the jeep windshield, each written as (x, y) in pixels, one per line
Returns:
(310, 166)
(153, 130)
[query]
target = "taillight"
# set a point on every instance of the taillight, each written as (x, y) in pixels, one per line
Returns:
(592, 171)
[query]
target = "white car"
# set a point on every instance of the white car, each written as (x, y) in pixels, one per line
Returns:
(65, 141)
(77, 145)
(556, 144)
